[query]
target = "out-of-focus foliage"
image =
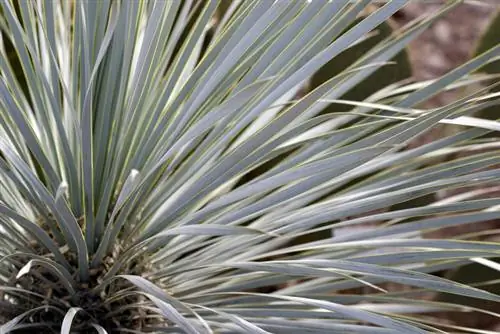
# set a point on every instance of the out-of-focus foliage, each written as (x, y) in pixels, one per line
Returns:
(490, 38)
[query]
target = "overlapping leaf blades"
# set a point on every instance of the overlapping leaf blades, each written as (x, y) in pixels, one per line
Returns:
(131, 139)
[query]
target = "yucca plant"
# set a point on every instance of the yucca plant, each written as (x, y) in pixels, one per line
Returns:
(128, 131)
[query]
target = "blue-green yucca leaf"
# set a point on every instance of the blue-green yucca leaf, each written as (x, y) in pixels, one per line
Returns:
(130, 134)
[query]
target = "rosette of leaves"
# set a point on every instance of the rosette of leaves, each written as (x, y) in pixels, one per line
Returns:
(122, 206)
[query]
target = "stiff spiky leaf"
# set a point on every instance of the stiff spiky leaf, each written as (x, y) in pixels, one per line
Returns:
(160, 167)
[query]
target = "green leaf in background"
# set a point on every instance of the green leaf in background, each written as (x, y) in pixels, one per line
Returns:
(474, 274)
(8, 53)
(490, 38)
(398, 70)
